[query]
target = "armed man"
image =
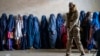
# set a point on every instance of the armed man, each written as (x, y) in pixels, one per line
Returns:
(73, 28)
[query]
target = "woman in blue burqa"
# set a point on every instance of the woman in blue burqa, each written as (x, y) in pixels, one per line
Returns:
(10, 32)
(44, 33)
(94, 27)
(81, 18)
(24, 33)
(3, 25)
(59, 23)
(30, 31)
(36, 31)
(97, 38)
(52, 31)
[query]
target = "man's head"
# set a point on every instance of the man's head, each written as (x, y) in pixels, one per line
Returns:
(71, 5)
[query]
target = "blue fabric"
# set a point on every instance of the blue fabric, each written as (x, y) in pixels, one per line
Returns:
(97, 39)
(91, 45)
(1, 41)
(30, 24)
(52, 31)
(24, 30)
(59, 23)
(9, 44)
(25, 18)
(86, 32)
(30, 31)
(36, 30)
(95, 27)
(11, 23)
(24, 43)
(82, 16)
(95, 22)
(3, 22)
(99, 19)
(3, 25)
(10, 28)
(44, 32)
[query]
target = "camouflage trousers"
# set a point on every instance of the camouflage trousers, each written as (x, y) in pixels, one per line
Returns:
(74, 34)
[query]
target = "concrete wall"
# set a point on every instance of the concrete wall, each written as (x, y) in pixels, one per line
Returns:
(45, 7)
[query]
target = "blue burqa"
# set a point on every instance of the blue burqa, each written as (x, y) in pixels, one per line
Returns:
(24, 32)
(10, 28)
(52, 31)
(11, 23)
(82, 16)
(30, 31)
(59, 23)
(44, 33)
(3, 25)
(36, 31)
(97, 37)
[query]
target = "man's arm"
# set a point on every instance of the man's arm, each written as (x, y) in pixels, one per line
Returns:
(75, 20)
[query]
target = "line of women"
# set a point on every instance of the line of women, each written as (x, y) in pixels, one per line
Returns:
(25, 32)
(90, 23)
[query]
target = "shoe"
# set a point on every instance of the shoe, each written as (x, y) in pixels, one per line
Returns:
(67, 55)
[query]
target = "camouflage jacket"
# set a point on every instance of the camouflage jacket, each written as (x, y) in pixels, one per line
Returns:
(71, 19)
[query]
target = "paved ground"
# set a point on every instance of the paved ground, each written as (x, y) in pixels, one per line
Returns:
(32, 52)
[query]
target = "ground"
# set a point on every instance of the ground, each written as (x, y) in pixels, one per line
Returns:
(42, 52)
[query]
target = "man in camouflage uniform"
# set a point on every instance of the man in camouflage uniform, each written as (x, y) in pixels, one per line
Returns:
(73, 30)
